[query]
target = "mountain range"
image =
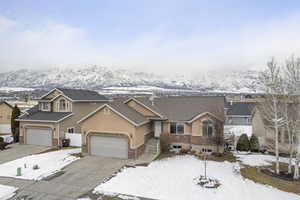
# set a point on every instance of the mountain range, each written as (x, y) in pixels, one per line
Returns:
(99, 77)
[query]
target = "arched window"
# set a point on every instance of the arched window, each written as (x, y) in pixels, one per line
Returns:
(62, 105)
(208, 128)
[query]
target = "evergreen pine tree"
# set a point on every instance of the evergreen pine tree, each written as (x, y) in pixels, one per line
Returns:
(15, 124)
(243, 143)
(254, 144)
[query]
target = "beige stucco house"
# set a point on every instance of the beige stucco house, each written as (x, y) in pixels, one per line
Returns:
(122, 127)
(57, 113)
(5, 118)
(266, 134)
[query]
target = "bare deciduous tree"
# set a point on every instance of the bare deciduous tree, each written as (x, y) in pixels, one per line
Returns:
(271, 108)
(291, 93)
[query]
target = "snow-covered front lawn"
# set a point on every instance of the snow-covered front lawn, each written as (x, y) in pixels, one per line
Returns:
(175, 178)
(256, 159)
(48, 164)
(7, 192)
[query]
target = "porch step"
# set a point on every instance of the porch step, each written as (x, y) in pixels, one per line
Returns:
(152, 146)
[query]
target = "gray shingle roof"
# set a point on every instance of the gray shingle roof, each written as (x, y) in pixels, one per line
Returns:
(146, 101)
(44, 116)
(240, 108)
(83, 95)
(128, 112)
(185, 108)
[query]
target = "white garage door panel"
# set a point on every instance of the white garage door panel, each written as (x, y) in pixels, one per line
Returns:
(109, 146)
(38, 136)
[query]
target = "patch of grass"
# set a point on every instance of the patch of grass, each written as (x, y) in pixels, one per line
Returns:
(169, 155)
(57, 174)
(254, 174)
(49, 150)
(226, 156)
(79, 155)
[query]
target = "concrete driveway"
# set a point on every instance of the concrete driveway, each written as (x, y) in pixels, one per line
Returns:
(78, 178)
(15, 151)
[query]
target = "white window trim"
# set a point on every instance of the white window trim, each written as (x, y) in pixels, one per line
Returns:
(213, 129)
(177, 123)
(62, 110)
(42, 106)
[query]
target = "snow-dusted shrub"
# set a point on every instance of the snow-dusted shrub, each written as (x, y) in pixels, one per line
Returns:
(35, 167)
(208, 182)
(254, 144)
(243, 143)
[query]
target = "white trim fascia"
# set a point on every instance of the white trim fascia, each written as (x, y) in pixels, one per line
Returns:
(40, 99)
(24, 120)
(202, 114)
(60, 96)
(51, 121)
(65, 117)
(143, 123)
(24, 113)
(134, 99)
(50, 92)
(44, 101)
(91, 100)
(90, 114)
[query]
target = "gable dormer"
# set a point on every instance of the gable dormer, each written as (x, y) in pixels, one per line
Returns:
(51, 94)
(50, 102)
(62, 104)
(141, 108)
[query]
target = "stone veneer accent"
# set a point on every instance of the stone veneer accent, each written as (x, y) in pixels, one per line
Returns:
(148, 137)
(135, 153)
(21, 139)
(54, 142)
(189, 139)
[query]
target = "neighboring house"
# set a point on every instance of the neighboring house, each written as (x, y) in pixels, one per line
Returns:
(5, 118)
(122, 127)
(238, 120)
(266, 134)
(56, 114)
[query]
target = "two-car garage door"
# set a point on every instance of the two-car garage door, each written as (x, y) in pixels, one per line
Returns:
(39, 136)
(116, 147)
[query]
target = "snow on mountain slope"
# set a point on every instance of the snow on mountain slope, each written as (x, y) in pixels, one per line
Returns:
(97, 77)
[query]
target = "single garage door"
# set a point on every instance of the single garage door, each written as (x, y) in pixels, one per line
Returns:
(39, 136)
(109, 146)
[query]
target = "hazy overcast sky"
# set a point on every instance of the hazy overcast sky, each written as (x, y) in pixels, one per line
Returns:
(150, 35)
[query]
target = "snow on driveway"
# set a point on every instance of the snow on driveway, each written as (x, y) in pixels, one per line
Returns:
(174, 178)
(258, 159)
(48, 163)
(7, 192)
